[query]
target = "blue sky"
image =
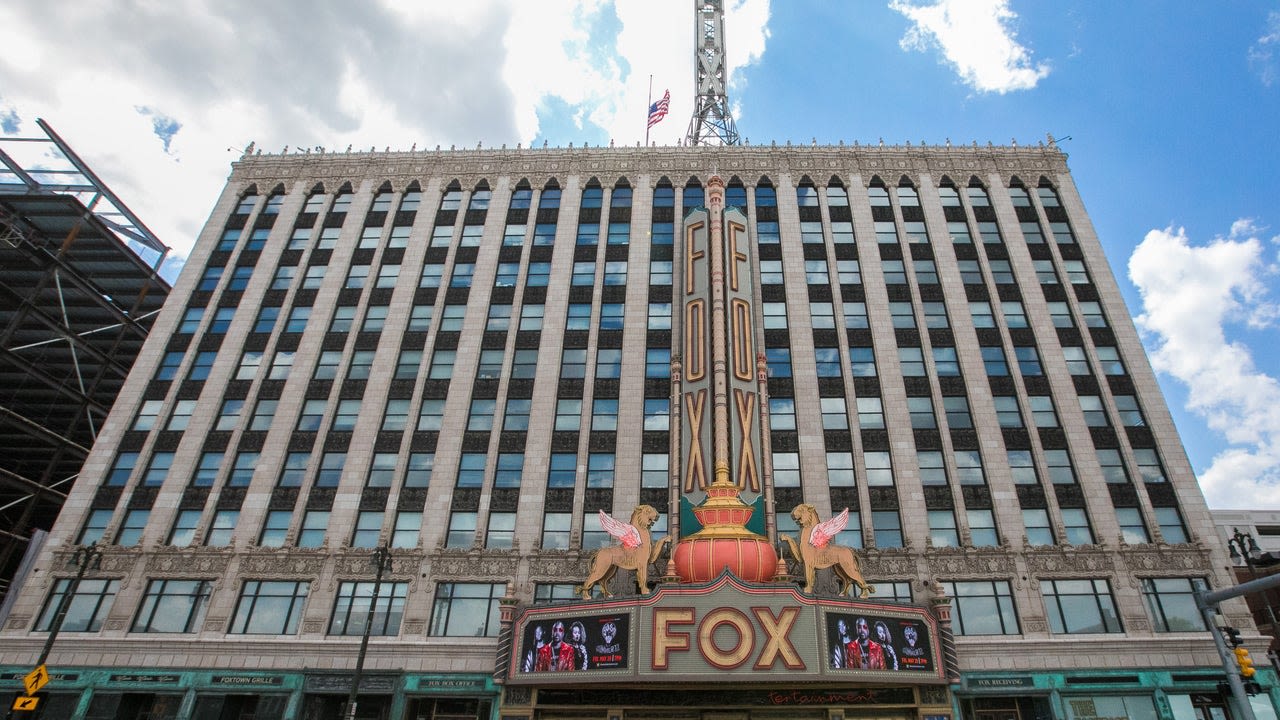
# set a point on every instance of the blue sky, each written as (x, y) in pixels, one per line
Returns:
(1170, 108)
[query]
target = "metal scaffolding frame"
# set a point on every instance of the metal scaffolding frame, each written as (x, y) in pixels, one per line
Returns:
(79, 290)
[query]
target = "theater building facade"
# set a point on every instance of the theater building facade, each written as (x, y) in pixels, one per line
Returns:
(677, 433)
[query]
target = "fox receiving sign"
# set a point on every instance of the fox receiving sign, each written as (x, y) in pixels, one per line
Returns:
(703, 632)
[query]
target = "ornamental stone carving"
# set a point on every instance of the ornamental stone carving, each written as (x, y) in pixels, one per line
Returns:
(185, 563)
(1180, 558)
(282, 564)
(888, 563)
(475, 563)
(566, 567)
(969, 561)
(1069, 560)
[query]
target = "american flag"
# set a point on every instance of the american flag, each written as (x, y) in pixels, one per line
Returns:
(658, 110)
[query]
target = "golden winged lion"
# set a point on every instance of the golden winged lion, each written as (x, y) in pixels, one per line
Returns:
(816, 551)
(636, 552)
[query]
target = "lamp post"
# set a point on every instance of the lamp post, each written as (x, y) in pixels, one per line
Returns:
(381, 558)
(85, 558)
(1243, 546)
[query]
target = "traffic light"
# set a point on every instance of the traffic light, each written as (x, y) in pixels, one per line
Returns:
(1232, 635)
(1244, 662)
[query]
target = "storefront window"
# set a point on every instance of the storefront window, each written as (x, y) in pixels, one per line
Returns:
(1097, 707)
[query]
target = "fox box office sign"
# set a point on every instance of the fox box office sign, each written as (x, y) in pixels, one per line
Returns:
(691, 633)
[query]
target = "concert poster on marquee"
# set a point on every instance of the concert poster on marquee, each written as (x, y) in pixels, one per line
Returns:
(859, 641)
(572, 643)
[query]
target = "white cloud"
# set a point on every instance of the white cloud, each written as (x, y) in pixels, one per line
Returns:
(1262, 54)
(976, 38)
(206, 77)
(1191, 295)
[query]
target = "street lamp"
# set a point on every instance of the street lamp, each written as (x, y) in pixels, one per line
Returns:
(381, 558)
(85, 558)
(1243, 546)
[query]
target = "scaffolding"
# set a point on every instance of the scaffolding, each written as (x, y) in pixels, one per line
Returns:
(79, 290)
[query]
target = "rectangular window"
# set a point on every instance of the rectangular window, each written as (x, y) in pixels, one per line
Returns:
(786, 470)
(242, 470)
(888, 528)
(357, 611)
(879, 468)
(466, 609)
(562, 471)
(441, 367)
(158, 469)
(902, 315)
(1028, 360)
(855, 315)
(600, 468)
(556, 527)
(1022, 466)
(911, 360)
(1036, 522)
(87, 609)
(406, 531)
(330, 472)
(1112, 465)
(131, 529)
(1059, 464)
(222, 529)
(368, 529)
(920, 409)
(314, 524)
(1075, 523)
(266, 321)
(895, 272)
(933, 470)
(1171, 603)
(959, 232)
(653, 470)
(275, 528)
(1080, 606)
(782, 413)
(942, 529)
(969, 467)
(1171, 527)
(173, 606)
(1149, 466)
(1132, 529)
(207, 469)
(982, 528)
(184, 528)
(269, 607)
(294, 470)
(382, 470)
(982, 607)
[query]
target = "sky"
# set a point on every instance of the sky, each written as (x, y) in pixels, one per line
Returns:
(1167, 110)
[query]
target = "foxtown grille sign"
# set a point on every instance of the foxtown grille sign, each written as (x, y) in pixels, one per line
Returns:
(691, 633)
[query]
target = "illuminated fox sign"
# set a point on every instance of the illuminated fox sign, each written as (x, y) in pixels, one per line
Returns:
(720, 398)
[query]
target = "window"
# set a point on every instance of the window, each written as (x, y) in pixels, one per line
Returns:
(369, 238)
(608, 363)
(1014, 315)
(842, 231)
(945, 362)
(915, 232)
(982, 316)
(451, 318)
(782, 413)
(544, 233)
(779, 361)
(888, 528)
(935, 315)
(297, 321)
(172, 606)
(87, 609)
(507, 275)
(207, 469)
(921, 412)
(942, 529)
(990, 234)
(834, 414)
(1031, 232)
(982, 607)
(481, 416)
(182, 411)
(1095, 415)
(662, 233)
(222, 528)
(357, 611)
(513, 235)
(1128, 410)
(855, 315)
(895, 272)
(441, 367)
(562, 471)
(202, 366)
(886, 232)
(122, 468)
(239, 278)
(1022, 466)
(432, 273)
(382, 470)
(957, 411)
(368, 528)
(269, 608)
(387, 276)
(516, 417)
(969, 467)
(1075, 523)
(399, 236)
(619, 233)
(1170, 523)
(1080, 606)
(248, 368)
(612, 316)
(509, 470)
(786, 470)
(330, 472)
(501, 533)
(147, 415)
(1045, 272)
(531, 317)
(1171, 603)
(659, 317)
(221, 321)
(1109, 360)
(573, 363)
(1059, 465)
(266, 321)
(184, 528)
(158, 469)
(431, 415)
(405, 534)
(462, 530)
(811, 232)
(281, 364)
(653, 470)
(1092, 314)
(879, 468)
(418, 473)
(1001, 273)
(770, 272)
(242, 469)
(657, 414)
(982, 528)
(588, 233)
(912, 361)
(959, 232)
(466, 609)
(1149, 466)
(1042, 412)
(407, 365)
(314, 524)
(902, 315)
(462, 274)
(131, 529)
(1061, 233)
(1113, 470)
(274, 528)
(1007, 411)
(1077, 363)
(209, 281)
(584, 274)
(328, 238)
(169, 364)
(1132, 530)
(821, 315)
(840, 469)
(600, 468)
(1036, 522)
(568, 414)
(827, 360)
(848, 272)
(471, 470)
(862, 361)
(1028, 360)
(932, 469)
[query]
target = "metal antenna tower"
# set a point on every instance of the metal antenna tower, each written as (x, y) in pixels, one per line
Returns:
(711, 124)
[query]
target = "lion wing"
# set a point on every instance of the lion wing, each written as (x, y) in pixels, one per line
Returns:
(626, 532)
(827, 529)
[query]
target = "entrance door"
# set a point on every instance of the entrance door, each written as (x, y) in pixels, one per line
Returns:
(1210, 707)
(997, 714)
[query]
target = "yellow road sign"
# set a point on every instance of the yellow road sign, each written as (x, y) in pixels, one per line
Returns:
(25, 703)
(35, 680)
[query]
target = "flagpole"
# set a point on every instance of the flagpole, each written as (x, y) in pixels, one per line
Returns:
(648, 104)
